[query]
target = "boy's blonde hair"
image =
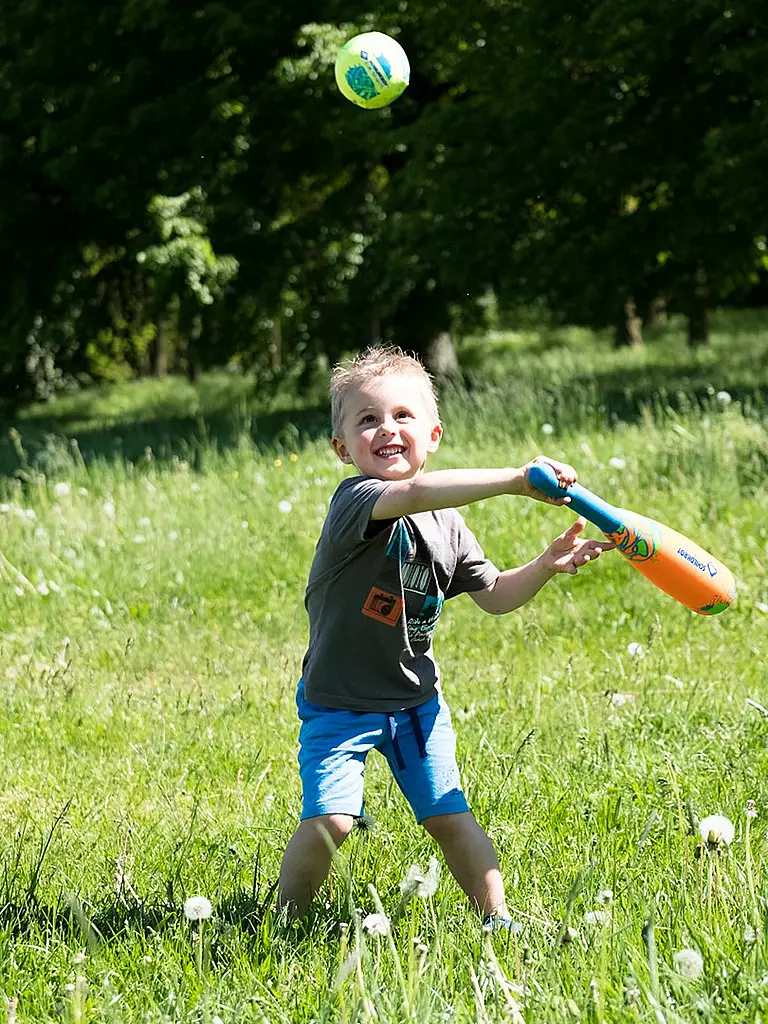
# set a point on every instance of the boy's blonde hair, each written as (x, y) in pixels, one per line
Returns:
(376, 361)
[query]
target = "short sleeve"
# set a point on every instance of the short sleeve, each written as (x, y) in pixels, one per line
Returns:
(473, 570)
(349, 514)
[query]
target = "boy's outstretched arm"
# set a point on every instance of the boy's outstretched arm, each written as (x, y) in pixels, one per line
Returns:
(567, 553)
(450, 488)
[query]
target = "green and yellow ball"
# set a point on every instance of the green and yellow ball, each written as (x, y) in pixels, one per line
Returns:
(372, 70)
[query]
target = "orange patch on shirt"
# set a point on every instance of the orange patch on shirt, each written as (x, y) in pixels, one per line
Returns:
(383, 606)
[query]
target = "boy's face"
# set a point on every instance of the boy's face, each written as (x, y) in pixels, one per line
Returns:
(388, 428)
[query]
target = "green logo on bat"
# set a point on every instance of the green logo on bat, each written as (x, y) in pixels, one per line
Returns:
(637, 542)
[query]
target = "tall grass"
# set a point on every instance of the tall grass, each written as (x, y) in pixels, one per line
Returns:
(152, 635)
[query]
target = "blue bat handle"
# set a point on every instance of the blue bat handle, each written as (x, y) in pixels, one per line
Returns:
(605, 516)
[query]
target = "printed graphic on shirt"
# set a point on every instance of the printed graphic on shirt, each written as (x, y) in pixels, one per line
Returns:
(422, 625)
(401, 546)
(416, 577)
(406, 571)
(383, 606)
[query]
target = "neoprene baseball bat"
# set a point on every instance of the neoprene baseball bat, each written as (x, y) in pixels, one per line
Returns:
(674, 563)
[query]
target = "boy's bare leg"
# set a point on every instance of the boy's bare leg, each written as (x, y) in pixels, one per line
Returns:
(307, 859)
(471, 858)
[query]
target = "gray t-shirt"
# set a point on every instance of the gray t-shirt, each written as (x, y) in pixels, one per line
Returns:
(374, 595)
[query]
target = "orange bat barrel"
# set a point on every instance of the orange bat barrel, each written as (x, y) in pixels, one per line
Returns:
(674, 563)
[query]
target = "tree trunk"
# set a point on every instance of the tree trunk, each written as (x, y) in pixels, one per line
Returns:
(653, 313)
(276, 342)
(698, 318)
(159, 350)
(193, 348)
(628, 327)
(698, 326)
(440, 356)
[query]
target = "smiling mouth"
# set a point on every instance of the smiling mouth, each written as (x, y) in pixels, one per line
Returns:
(390, 451)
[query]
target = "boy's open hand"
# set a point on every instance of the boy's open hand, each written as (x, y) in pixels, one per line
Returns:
(566, 475)
(568, 552)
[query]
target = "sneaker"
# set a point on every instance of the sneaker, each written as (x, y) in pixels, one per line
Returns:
(501, 923)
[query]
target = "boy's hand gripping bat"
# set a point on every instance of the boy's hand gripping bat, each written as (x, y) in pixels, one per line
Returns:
(673, 562)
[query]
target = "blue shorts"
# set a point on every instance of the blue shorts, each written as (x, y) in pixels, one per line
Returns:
(419, 744)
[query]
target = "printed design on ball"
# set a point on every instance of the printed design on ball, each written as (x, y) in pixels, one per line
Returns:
(635, 544)
(360, 82)
(381, 67)
(715, 607)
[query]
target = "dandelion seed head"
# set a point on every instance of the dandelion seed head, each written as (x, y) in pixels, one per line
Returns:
(547, 429)
(599, 916)
(61, 489)
(617, 462)
(605, 897)
(723, 398)
(417, 882)
(620, 700)
(198, 908)
(376, 925)
(635, 650)
(750, 810)
(688, 963)
(284, 506)
(108, 508)
(716, 830)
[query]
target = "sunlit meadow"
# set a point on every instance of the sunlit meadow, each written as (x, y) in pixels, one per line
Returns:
(152, 635)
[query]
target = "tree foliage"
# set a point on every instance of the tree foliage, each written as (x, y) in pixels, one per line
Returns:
(587, 154)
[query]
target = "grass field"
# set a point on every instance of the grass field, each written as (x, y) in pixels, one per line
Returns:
(155, 545)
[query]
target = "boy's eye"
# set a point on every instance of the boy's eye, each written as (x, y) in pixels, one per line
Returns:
(403, 414)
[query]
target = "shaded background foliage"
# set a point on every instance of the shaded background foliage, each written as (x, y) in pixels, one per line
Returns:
(183, 187)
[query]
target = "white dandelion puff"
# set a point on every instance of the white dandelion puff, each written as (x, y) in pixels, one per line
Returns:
(621, 700)
(198, 908)
(688, 963)
(61, 489)
(139, 538)
(716, 830)
(750, 935)
(723, 398)
(547, 428)
(599, 916)
(617, 462)
(285, 507)
(635, 650)
(420, 883)
(144, 521)
(750, 810)
(78, 958)
(376, 924)
(108, 508)
(605, 897)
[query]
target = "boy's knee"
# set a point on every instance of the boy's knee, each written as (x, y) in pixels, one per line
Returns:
(445, 827)
(336, 826)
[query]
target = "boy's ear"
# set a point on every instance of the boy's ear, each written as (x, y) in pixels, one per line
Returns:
(341, 450)
(434, 438)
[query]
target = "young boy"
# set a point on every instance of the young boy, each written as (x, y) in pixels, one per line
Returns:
(392, 549)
